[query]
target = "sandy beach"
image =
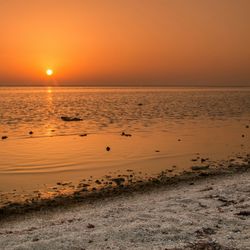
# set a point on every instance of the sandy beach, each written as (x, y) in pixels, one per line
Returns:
(209, 212)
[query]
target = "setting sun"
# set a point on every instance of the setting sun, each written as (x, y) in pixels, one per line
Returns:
(49, 72)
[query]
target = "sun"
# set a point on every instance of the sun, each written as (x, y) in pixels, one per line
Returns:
(49, 72)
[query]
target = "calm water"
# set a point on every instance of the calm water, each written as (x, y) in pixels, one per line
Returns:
(112, 110)
(177, 122)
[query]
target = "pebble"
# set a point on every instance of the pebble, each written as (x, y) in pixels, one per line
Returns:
(118, 181)
(199, 167)
(98, 182)
(108, 148)
(83, 135)
(4, 137)
(90, 226)
(203, 160)
(124, 134)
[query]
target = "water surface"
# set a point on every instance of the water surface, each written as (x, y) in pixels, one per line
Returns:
(169, 127)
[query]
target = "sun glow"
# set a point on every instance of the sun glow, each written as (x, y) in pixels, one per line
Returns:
(49, 72)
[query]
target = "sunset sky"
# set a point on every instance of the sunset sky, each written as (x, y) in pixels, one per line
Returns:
(125, 42)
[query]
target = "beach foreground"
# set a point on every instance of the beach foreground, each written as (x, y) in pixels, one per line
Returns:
(199, 213)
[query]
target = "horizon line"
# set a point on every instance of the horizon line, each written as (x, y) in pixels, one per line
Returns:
(126, 85)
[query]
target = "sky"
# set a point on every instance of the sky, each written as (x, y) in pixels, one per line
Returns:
(125, 42)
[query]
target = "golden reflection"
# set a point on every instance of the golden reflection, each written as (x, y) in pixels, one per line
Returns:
(49, 90)
(49, 127)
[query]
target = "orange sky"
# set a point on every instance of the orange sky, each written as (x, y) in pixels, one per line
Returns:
(125, 42)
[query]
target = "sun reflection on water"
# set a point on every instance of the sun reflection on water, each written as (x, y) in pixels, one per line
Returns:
(49, 90)
(49, 126)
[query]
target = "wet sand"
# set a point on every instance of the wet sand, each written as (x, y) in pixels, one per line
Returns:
(116, 183)
(203, 209)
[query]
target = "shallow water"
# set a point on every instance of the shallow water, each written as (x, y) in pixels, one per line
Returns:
(169, 126)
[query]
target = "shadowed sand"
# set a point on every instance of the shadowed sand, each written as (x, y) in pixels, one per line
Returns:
(208, 209)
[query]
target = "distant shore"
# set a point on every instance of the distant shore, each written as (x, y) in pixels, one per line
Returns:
(205, 209)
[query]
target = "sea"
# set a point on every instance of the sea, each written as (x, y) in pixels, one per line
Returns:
(109, 131)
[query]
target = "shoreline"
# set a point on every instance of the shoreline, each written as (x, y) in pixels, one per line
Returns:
(194, 211)
(123, 187)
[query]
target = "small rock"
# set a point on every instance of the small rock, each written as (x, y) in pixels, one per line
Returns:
(85, 185)
(98, 182)
(118, 181)
(31, 133)
(157, 151)
(90, 226)
(244, 213)
(247, 126)
(242, 136)
(108, 148)
(205, 231)
(70, 119)
(206, 189)
(199, 167)
(4, 137)
(203, 160)
(82, 135)
(124, 134)
(202, 205)
(203, 174)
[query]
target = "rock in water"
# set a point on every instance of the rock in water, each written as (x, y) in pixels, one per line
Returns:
(70, 119)
(124, 134)
(82, 135)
